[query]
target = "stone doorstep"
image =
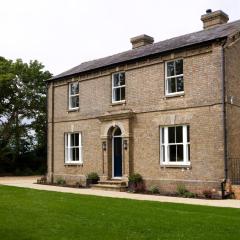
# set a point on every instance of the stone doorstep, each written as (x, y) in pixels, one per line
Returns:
(113, 182)
(109, 187)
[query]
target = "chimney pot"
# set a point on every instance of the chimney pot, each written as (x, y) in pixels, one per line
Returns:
(212, 19)
(209, 10)
(141, 40)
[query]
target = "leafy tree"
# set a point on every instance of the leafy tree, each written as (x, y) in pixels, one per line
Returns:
(23, 118)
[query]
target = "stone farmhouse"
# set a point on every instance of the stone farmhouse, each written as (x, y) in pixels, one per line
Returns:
(169, 111)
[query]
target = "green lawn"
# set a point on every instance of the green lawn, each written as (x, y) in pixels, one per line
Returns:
(32, 214)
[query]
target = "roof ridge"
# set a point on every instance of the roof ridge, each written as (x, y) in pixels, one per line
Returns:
(184, 40)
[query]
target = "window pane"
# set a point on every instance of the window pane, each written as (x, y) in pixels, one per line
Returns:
(71, 154)
(188, 151)
(180, 84)
(171, 85)
(179, 134)
(122, 78)
(179, 66)
(171, 134)
(117, 132)
(123, 93)
(77, 154)
(163, 153)
(116, 81)
(76, 137)
(162, 135)
(74, 101)
(172, 153)
(179, 153)
(71, 140)
(188, 133)
(116, 94)
(74, 88)
(170, 69)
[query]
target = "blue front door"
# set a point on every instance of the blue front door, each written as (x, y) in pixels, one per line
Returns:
(117, 157)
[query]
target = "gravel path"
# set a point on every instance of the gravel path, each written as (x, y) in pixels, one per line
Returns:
(29, 182)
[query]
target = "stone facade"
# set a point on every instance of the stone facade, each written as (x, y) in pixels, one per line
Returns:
(145, 110)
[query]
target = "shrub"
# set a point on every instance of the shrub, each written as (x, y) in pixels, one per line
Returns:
(61, 181)
(183, 192)
(135, 178)
(207, 193)
(154, 189)
(93, 176)
(135, 183)
(189, 195)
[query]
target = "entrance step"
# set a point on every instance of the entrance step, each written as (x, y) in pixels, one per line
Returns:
(111, 185)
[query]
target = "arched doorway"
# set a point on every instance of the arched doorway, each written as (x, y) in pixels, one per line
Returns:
(117, 153)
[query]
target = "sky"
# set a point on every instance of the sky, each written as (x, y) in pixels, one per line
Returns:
(63, 33)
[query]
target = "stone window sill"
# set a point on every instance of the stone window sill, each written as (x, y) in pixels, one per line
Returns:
(176, 166)
(118, 103)
(73, 164)
(73, 110)
(174, 95)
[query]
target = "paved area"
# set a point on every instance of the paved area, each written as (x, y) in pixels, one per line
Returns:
(29, 182)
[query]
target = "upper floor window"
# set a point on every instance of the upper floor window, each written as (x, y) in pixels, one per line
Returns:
(73, 148)
(118, 87)
(74, 95)
(174, 77)
(175, 145)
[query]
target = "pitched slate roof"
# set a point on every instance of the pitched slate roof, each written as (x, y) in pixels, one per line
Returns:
(206, 35)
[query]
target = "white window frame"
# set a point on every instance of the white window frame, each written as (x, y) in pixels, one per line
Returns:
(70, 96)
(164, 155)
(68, 148)
(115, 87)
(175, 76)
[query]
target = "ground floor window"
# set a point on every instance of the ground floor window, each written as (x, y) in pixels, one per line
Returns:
(175, 145)
(73, 148)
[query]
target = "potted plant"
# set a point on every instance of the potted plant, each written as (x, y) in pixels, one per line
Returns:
(135, 183)
(92, 178)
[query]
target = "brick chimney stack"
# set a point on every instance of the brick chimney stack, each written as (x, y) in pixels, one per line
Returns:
(141, 40)
(212, 19)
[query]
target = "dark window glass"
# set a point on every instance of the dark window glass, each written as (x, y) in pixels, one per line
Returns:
(117, 132)
(170, 69)
(189, 156)
(180, 84)
(76, 139)
(77, 154)
(179, 153)
(171, 134)
(122, 79)
(172, 153)
(179, 66)
(123, 93)
(115, 80)
(188, 134)
(171, 85)
(74, 88)
(74, 101)
(117, 94)
(179, 134)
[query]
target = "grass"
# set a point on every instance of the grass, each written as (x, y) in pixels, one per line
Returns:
(27, 214)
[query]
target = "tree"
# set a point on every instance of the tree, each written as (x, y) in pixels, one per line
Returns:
(23, 118)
